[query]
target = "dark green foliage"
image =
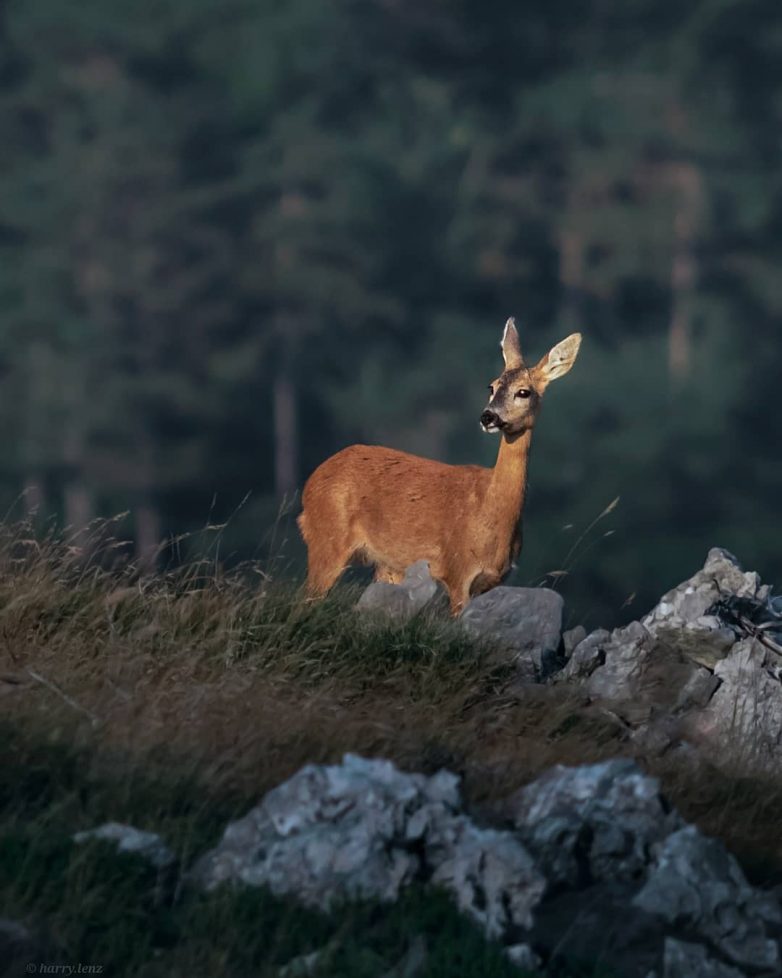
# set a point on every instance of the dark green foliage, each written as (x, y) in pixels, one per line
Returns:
(235, 237)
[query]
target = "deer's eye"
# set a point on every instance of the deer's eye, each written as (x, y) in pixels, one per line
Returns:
(491, 389)
(523, 393)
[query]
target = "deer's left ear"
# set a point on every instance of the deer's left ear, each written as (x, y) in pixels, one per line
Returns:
(511, 346)
(558, 360)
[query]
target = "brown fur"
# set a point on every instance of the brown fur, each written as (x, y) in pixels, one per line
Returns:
(388, 508)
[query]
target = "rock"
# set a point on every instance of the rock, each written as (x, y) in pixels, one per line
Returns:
(527, 621)
(691, 600)
(695, 884)
(363, 829)
(571, 638)
(689, 615)
(744, 715)
(402, 601)
(334, 833)
(656, 736)
(595, 822)
(685, 617)
(523, 956)
(597, 868)
(491, 875)
(131, 840)
(586, 656)
(705, 641)
(683, 960)
(598, 925)
(624, 655)
(697, 691)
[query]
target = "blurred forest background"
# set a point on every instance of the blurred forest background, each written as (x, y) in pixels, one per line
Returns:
(237, 235)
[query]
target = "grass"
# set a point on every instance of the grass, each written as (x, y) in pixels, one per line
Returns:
(174, 702)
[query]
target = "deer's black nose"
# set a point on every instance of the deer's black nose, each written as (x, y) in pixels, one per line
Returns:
(489, 418)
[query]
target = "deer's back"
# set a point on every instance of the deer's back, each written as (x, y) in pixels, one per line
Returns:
(400, 507)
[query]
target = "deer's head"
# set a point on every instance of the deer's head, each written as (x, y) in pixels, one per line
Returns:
(515, 396)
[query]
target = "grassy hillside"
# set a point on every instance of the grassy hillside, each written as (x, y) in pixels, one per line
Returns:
(174, 702)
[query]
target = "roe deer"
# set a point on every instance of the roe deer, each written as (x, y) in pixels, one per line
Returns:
(384, 507)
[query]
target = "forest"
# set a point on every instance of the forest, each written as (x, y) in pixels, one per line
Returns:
(237, 236)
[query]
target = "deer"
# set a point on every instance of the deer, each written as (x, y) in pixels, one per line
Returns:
(378, 506)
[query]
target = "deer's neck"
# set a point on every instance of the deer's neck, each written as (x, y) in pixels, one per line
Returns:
(508, 483)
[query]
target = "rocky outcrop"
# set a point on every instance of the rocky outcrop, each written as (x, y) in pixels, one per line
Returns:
(363, 829)
(703, 669)
(599, 822)
(523, 624)
(524, 621)
(593, 864)
(588, 862)
(694, 884)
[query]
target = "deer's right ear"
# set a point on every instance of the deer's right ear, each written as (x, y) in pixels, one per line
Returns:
(558, 360)
(511, 346)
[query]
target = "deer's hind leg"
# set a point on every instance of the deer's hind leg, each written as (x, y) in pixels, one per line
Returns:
(328, 555)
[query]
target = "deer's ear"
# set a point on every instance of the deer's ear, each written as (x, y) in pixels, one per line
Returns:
(511, 347)
(558, 360)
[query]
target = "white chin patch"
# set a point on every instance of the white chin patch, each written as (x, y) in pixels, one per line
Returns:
(491, 429)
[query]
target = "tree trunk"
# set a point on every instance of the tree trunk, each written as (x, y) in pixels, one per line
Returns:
(34, 497)
(687, 186)
(78, 501)
(79, 510)
(571, 276)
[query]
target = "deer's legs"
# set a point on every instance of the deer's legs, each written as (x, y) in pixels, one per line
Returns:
(458, 593)
(325, 563)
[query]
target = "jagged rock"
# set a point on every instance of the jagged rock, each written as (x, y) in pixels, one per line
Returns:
(598, 867)
(684, 960)
(686, 615)
(332, 833)
(523, 956)
(697, 691)
(705, 641)
(416, 592)
(571, 638)
(624, 656)
(490, 874)
(363, 829)
(745, 713)
(697, 885)
(596, 822)
(690, 601)
(132, 840)
(527, 621)
(586, 656)
(689, 672)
